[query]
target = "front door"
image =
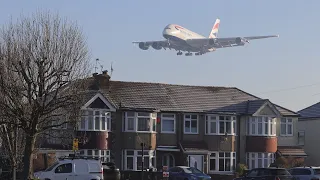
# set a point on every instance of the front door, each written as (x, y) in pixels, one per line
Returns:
(196, 161)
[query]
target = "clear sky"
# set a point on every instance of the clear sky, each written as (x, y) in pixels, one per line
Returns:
(284, 70)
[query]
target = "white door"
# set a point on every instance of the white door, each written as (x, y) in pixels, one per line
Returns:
(196, 161)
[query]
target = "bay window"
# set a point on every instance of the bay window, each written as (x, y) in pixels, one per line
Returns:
(219, 125)
(259, 160)
(103, 155)
(222, 162)
(261, 126)
(168, 123)
(191, 124)
(140, 122)
(286, 127)
(133, 159)
(95, 120)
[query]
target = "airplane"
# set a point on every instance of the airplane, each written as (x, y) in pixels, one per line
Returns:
(182, 39)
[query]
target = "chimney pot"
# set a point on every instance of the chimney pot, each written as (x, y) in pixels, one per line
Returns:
(105, 72)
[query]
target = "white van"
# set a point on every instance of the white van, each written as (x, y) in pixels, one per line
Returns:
(73, 169)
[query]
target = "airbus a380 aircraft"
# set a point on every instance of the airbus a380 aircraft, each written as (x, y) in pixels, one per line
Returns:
(182, 39)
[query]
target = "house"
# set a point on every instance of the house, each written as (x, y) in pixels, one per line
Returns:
(308, 133)
(211, 128)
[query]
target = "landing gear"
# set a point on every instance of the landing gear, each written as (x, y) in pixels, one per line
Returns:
(179, 53)
(188, 54)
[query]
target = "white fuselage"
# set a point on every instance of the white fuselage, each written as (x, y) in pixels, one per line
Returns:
(179, 35)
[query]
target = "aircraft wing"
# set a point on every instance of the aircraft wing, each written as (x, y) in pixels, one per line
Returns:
(225, 42)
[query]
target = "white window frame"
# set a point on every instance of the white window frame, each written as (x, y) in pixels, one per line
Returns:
(85, 119)
(253, 123)
(233, 124)
(168, 119)
(233, 161)
(103, 155)
(254, 156)
(136, 116)
(286, 124)
(190, 119)
(149, 153)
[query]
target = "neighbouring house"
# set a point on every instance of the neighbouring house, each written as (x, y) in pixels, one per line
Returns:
(211, 128)
(308, 124)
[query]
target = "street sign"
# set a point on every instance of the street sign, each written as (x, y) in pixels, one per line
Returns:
(75, 144)
(165, 174)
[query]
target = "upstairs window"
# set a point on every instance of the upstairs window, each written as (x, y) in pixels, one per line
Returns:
(219, 125)
(168, 123)
(191, 124)
(140, 121)
(95, 120)
(286, 127)
(261, 126)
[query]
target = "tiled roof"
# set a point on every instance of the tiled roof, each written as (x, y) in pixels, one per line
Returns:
(182, 98)
(291, 151)
(194, 146)
(311, 111)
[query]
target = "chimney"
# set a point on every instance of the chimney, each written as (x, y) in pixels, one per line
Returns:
(102, 80)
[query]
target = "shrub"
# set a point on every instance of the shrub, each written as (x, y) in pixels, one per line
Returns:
(241, 168)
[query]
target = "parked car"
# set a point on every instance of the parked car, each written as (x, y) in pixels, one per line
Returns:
(305, 173)
(187, 173)
(271, 173)
(110, 171)
(73, 168)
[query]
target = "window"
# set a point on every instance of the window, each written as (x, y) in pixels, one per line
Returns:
(286, 125)
(95, 120)
(133, 159)
(103, 155)
(261, 126)
(259, 160)
(222, 161)
(301, 135)
(168, 123)
(220, 125)
(64, 168)
(140, 121)
(191, 124)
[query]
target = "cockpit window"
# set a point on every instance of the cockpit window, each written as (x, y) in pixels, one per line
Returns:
(167, 28)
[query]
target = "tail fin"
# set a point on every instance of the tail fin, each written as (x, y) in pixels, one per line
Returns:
(215, 29)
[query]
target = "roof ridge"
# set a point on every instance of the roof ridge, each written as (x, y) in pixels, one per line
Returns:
(309, 107)
(171, 84)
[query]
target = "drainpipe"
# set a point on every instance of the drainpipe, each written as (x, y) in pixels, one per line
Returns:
(238, 138)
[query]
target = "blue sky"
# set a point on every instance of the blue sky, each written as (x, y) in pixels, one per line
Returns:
(284, 70)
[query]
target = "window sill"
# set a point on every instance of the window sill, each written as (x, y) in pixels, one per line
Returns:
(167, 132)
(261, 135)
(220, 134)
(191, 133)
(145, 132)
(286, 135)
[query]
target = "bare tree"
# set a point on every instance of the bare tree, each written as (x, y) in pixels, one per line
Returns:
(42, 57)
(12, 140)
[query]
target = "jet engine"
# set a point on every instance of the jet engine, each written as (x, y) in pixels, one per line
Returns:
(156, 46)
(240, 41)
(143, 46)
